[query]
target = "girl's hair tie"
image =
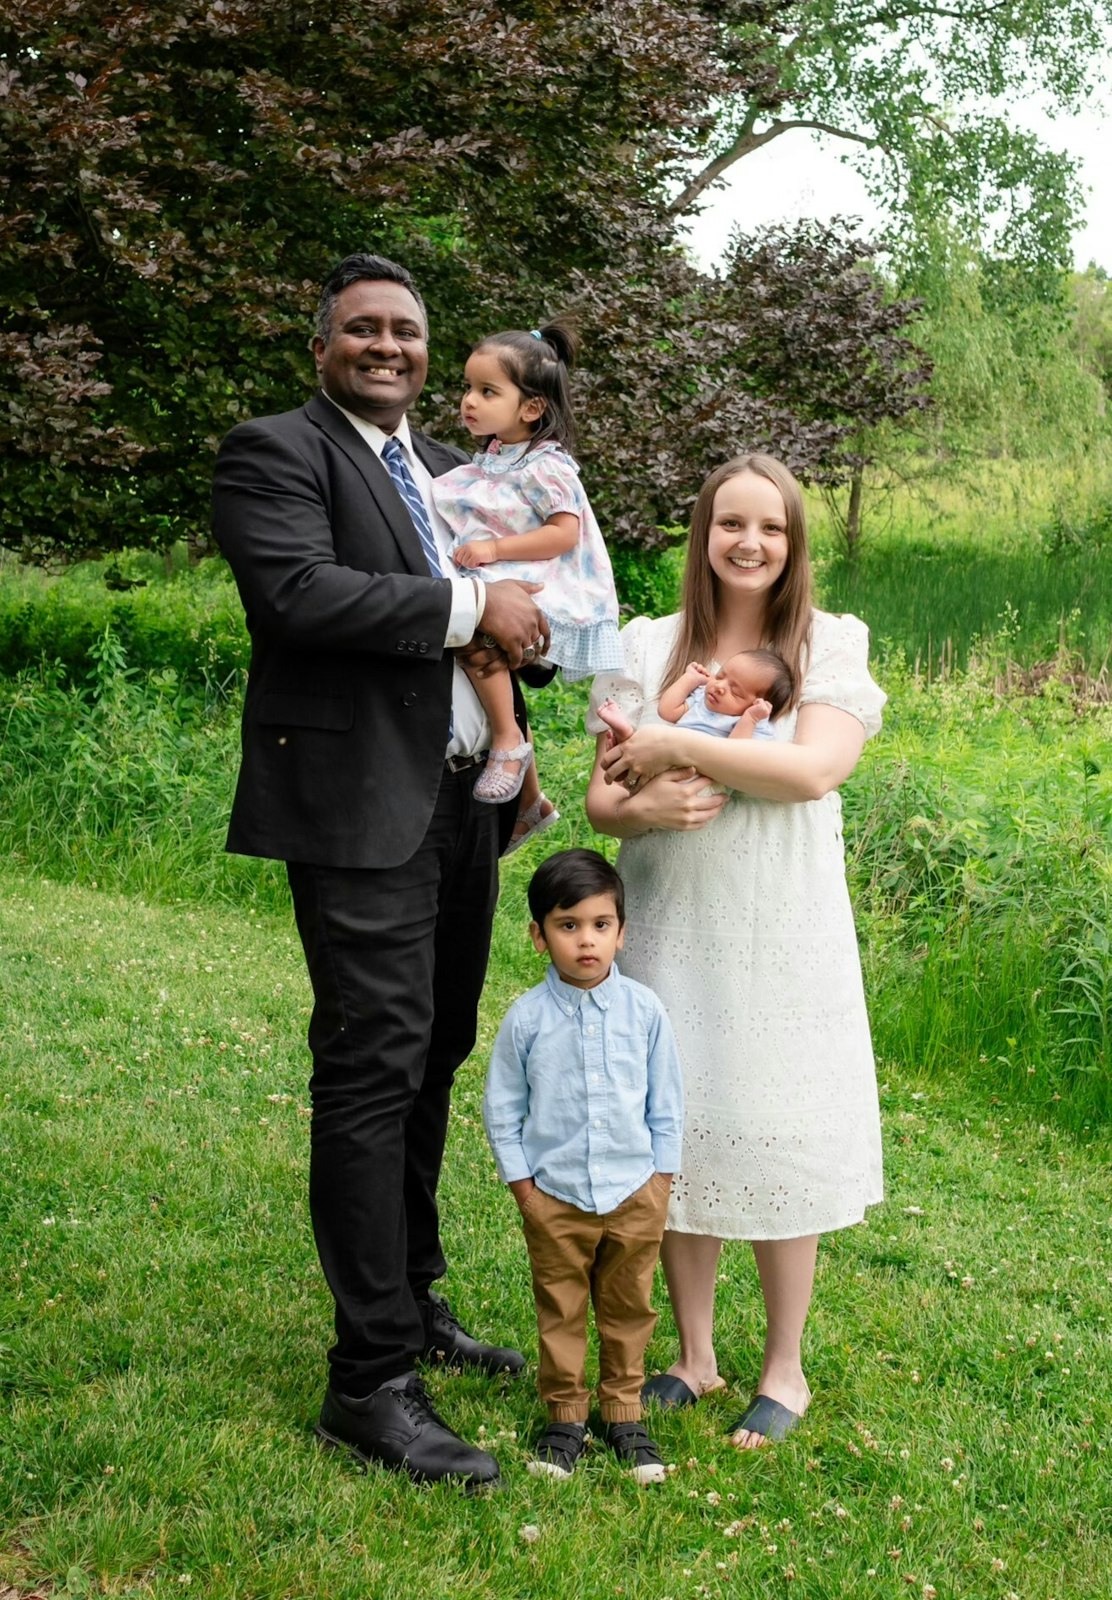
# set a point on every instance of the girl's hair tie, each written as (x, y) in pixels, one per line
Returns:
(536, 333)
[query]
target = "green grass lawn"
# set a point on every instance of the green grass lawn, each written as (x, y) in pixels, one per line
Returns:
(163, 1323)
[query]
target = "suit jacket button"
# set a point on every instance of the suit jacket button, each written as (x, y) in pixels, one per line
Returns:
(401, 644)
(423, 648)
(409, 699)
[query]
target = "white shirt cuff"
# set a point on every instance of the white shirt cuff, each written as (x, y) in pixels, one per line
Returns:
(465, 613)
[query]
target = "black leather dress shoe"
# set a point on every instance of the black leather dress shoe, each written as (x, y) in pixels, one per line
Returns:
(447, 1344)
(399, 1428)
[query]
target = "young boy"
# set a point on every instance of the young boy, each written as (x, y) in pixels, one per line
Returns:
(584, 1112)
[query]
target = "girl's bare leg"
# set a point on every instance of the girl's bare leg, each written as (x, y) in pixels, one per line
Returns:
(787, 1273)
(690, 1262)
(496, 697)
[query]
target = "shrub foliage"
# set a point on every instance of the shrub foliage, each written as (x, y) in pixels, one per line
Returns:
(179, 178)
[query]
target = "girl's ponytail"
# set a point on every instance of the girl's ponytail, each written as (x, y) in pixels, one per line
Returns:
(537, 361)
(564, 339)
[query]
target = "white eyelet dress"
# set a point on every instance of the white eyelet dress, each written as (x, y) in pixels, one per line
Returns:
(744, 929)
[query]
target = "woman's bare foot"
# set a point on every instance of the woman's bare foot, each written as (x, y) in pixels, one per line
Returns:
(787, 1389)
(702, 1382)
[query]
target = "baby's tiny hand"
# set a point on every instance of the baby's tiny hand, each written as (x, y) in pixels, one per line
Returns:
(477, 553)
(697, 669)
(758, 711)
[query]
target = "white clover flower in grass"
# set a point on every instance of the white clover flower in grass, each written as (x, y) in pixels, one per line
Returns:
(528, 1533)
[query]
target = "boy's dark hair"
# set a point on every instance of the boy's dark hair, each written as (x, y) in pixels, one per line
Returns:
(538, 362)
(569, 877)
(353, 269)
(781, 690)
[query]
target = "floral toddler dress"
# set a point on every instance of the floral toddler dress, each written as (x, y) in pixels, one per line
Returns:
(509, 489)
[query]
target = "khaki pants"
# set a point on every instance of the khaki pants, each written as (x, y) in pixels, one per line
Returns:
(575, 1256)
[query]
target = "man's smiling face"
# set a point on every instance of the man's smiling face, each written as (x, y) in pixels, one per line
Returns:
(375, 360)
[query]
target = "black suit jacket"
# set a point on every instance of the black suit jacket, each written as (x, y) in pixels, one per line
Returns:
(348, 703)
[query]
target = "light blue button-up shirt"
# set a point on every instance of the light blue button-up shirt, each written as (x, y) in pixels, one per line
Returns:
(584, 1092)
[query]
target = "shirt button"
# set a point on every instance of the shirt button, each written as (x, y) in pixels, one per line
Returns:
(591, 1028)
(598, 1124)
(282, 738)
(594, 1077)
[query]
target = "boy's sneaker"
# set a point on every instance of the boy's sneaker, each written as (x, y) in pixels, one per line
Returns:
(558, 1449)
(635, 1450)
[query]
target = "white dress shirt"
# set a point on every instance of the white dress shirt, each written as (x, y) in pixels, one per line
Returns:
(470, 728)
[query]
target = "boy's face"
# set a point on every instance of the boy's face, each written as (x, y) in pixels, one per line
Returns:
(581, 940)
(740, 682)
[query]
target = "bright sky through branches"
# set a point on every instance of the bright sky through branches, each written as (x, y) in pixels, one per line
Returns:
(804, 175)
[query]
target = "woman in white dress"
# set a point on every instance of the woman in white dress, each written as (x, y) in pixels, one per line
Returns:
(739, 918)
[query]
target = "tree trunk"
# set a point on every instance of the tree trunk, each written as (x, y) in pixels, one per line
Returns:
(853, 514)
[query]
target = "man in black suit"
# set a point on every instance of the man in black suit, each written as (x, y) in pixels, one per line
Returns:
(362, 738)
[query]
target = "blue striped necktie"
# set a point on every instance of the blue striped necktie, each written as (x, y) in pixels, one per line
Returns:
(394, 456)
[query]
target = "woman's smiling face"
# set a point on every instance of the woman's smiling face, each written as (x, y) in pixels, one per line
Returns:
(748, 541)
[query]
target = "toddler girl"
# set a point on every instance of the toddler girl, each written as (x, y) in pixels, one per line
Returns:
(737, 702)
(518, 510)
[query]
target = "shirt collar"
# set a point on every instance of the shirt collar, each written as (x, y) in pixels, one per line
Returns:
(569, 998)
(375, 436)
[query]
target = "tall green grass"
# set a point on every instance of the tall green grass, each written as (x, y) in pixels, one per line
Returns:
(946, 605)
(978, 828)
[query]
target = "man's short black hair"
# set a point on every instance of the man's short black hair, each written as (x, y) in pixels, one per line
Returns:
(569, 877)
(353, 269)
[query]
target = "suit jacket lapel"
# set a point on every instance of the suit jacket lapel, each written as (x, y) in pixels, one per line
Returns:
(375, 475)
(436, 458)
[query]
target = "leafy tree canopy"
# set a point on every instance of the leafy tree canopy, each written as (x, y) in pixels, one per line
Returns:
(179, 176)
(924, 92)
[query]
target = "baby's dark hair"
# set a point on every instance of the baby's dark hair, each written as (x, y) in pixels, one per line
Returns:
(569, 877)
(782, 687)
(538, 363)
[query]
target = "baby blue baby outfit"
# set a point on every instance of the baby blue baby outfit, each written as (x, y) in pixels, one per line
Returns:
(699, 718)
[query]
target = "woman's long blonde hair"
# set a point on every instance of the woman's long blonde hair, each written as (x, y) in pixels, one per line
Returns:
(787, 627)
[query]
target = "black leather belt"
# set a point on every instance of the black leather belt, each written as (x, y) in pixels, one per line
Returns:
(465, 763)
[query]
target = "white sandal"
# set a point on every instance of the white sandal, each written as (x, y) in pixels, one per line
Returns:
(534, 823)
(494, 784)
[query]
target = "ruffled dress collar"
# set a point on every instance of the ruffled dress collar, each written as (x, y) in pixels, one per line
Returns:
(498, 458)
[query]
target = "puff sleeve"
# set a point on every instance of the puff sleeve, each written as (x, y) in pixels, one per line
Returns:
(838, 671)
(550, 484)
